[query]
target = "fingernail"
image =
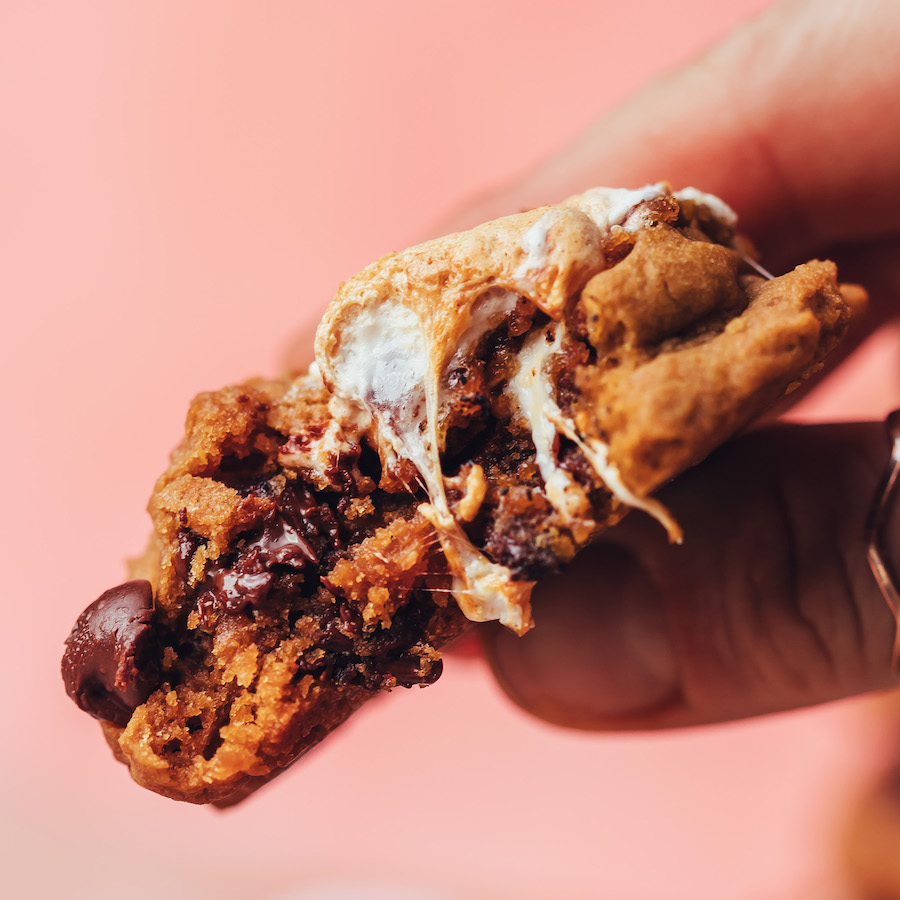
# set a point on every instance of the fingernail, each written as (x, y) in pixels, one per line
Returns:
(600, 654)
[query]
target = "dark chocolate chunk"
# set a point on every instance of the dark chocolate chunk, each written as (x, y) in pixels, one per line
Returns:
(281, 544)
(231, 591)
(408, 670)
(283, 540)
(248, 580)
(334, 639)
(310, 515)
(109, 665)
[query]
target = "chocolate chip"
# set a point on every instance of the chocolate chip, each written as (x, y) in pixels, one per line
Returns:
(281, 544)
(108, 666)
(408, 670)
(285, 539)
(232, 591)
(238, 589)
(334, 639)
(248, 579)
(340, 474)
(310, 515)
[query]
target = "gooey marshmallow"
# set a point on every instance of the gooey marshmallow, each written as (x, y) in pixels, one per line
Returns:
(387, 340)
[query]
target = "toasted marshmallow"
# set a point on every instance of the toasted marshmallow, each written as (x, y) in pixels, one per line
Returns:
(388, 337)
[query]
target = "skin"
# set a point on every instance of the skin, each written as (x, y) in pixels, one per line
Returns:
(770, 603)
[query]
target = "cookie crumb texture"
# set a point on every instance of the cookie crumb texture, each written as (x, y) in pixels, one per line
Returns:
(481, 408)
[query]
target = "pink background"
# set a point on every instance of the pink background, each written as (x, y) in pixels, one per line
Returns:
(182, 187)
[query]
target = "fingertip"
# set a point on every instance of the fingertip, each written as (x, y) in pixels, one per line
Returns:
(600, 656)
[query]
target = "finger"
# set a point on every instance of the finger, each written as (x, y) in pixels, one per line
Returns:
(787, 119)
(768, 605)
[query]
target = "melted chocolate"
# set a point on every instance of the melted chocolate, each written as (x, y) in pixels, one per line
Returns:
(109, 666)
(311, 516)
(188, 543)
(409, 670)
(246, 580)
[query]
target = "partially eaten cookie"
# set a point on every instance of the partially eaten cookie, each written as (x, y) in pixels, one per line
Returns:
(481, 407)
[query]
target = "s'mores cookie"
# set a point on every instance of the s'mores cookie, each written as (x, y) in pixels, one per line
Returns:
(481, 407)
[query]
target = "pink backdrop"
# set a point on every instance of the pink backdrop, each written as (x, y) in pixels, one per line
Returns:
(182, 187)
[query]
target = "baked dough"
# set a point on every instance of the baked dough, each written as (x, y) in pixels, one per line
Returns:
(481, 407)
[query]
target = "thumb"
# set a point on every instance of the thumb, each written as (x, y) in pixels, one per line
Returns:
(768, 605)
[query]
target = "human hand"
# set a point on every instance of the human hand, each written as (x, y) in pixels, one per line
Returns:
(770, 603)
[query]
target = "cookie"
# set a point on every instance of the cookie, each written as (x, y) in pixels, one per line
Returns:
(481, 407)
